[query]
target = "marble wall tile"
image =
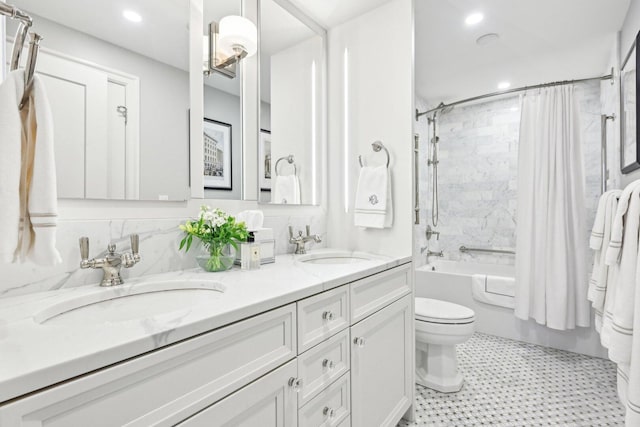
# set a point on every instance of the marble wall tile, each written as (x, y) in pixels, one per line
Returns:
(159, 240)
(477, 174)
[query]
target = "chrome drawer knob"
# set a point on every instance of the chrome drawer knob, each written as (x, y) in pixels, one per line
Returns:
(295, 384)
(327, 315)
(326, 363)
(328, 412)
(359, 341)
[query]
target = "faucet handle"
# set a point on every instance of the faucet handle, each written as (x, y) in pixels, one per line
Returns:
(135, 244)
(84, 248)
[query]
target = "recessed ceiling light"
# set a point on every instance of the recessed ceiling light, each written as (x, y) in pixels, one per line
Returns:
(504, 85)
(474, 18)
(132, 16)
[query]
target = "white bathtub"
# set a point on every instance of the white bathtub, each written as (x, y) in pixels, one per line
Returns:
(452, 281)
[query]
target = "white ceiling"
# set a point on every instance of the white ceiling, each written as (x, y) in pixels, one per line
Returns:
(330, 13)
(540, 41)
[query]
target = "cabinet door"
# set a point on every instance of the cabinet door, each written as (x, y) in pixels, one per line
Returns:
(268, 402)
(381, 366)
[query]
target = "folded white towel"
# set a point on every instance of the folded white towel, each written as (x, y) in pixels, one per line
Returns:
(494, 290)
(286, 190)
(43, 197)
(597, 232)
(10, 143)
(373, 204)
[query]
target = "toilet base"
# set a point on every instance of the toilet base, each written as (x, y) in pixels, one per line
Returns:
(437, 367)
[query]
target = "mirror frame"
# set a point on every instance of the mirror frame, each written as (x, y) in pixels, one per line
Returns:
(320, 149)
(629, 165)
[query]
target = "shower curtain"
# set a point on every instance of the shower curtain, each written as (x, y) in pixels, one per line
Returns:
(551, 270)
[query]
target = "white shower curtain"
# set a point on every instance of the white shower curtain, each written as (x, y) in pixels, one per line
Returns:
(551, 271)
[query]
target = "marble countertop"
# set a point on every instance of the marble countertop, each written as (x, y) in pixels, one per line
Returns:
(36, 352)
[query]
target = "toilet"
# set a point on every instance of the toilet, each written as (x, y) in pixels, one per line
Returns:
(440, 325)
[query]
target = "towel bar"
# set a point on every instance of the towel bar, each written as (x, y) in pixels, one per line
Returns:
(377, 146)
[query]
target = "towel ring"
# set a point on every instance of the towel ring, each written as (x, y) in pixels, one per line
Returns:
(289, 160)
(377, 146)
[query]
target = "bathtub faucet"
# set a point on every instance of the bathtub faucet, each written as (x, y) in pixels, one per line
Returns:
(431, 253)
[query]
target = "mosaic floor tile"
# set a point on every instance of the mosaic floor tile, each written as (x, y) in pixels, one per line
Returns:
(511, 384)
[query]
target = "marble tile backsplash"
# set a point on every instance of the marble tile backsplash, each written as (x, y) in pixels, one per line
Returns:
(477, 174)
(159, 240)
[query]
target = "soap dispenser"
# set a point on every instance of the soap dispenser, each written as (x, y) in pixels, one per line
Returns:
(250, 253)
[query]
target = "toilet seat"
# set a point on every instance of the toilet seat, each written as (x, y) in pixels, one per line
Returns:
(442, 312)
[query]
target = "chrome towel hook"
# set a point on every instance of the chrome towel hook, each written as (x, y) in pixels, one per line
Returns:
(377, 146)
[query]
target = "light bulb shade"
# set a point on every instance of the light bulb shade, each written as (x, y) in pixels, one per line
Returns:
(237, 31)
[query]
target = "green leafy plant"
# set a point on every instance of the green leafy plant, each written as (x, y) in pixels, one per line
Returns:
(216, 229)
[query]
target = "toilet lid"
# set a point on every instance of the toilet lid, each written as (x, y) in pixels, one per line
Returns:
(433, 310)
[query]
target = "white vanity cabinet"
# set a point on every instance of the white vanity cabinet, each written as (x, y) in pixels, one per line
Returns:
(168, 385)
(339, 358)
(365, 328)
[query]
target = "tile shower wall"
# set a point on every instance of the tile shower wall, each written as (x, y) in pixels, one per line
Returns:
(478, 153)
(159, 239)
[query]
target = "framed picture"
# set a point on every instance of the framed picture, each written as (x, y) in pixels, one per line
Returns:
(629, 148)
(217, 155)
(265, 168)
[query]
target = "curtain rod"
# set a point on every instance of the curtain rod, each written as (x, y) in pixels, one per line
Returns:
(505, 92)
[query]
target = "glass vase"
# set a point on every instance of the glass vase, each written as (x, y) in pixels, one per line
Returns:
(216, 257)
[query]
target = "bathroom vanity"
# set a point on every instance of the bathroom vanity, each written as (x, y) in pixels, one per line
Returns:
(294, 343)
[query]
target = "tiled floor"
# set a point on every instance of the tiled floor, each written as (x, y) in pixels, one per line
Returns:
(511, 383)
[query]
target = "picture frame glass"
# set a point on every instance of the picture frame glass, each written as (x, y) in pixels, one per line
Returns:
(265, 165)
(217, 155)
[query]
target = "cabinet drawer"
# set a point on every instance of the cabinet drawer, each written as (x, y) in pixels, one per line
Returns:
(267, 402)
(321, 316)
(168, 385)
(373, 293)
(322, 365)
(329, 408)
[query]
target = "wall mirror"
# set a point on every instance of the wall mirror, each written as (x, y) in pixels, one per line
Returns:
(222, 121)
(117, 78)
(629, 147)
(292, 102)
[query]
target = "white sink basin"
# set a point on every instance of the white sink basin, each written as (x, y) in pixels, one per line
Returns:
(131, 301)
(336, 257)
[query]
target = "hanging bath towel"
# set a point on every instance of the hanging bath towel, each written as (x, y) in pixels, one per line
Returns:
(10, 141)
(551, 279)
(373, 204)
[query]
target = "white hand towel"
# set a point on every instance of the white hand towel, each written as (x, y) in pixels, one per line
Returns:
(597, 232)
(43, 197)
(286, 190)
(615, 243)
(373, 204)
(599, 281)
(10, 143)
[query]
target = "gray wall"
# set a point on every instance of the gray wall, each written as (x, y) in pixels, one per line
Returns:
(164, 104)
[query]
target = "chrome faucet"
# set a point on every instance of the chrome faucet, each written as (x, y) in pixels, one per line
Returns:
(301, 240)
(112, 262)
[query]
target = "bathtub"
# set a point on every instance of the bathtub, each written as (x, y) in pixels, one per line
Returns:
(452, 281)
